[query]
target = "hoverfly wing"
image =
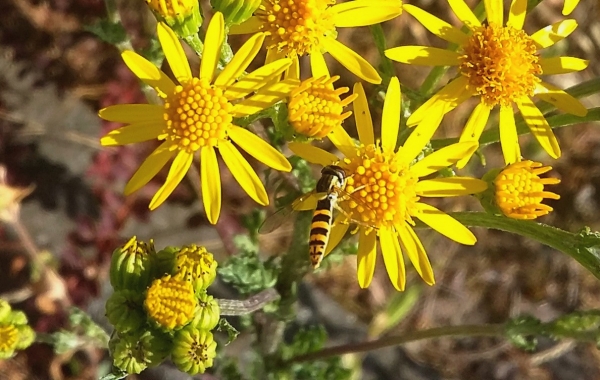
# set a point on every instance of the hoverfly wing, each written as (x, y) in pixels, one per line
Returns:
(279, 217)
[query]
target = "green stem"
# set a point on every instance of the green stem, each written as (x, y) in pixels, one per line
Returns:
(436, 332)
(195, 43)
(387, 67)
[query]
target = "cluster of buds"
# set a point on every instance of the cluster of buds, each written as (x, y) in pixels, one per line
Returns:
(15, 333)
(160, 307)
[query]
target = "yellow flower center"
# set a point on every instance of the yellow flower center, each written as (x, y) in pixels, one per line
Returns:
(519, 191)
(315, 107)
(9, 336)
(296, 26)
(383, 191)
(197, 115)
(197, 264)
(170, 301)
(170, 7)
(501, 64)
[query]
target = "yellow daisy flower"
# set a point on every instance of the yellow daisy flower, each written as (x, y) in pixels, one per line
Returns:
(499, 64)
(296, 28)
(197, 117)
(389, 186)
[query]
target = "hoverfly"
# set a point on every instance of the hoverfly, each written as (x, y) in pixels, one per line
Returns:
(329, 190)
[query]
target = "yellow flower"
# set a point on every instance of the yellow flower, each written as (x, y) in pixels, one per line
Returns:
(197, 117)
(519, 191)
(499, 64)
(295, 28)
(389, 187)
(569, 6)
(170, 301)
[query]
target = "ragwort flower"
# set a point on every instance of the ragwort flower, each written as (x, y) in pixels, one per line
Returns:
(296, 28)
(197, 117)
(500, 65)
(389, 187)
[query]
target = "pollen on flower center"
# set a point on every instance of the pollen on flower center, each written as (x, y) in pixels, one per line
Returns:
(385, 189)
(197, 114)
(8, 337)
(315, 107)
(519, 191)
(501, 64)
(296, 26)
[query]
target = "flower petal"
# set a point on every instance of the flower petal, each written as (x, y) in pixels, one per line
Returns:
(147, 72)
(420, 136)
(210, 179)
(569, 7)
(351, 60)
(443, 158)
(560, 99)
(338, 231)
(243, 173)
(178, 170)
(365, 12)
(318, 66)
(132, 113)
(554, 33)
(445, 224)
(453, 94)
(464, 13)
(133, 133)
(342, 140)
(473, 129)
(562, 65)
(150, 167)
(293, 72)
(264, 98)
(415, 252)
(312, 154)
(259, 149)
(516, 15)
(366, 257)
(215, 35)
(450, 187)
(252, 25)
(241, 60)
(174, 53)
(437, 26)
(494, 11)
(423, 55)
(509, 140)
(392, 257)
(539, 127)
(257, 79)
(390, 119)
(362, 115)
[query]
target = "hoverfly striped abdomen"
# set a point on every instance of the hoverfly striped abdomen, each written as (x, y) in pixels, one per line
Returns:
(320, 229)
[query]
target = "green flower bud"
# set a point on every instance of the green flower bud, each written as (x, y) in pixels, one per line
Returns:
(9, 339)
(193, 350)
(235, 11)
(170, 302)
(131, 266)
(125, 310)
(157, 346)
(17, 317)
(207, 313)
(197, 264)
(165, 262)
(128, 354)
(26, 337)
(5, 310)
(183, 16)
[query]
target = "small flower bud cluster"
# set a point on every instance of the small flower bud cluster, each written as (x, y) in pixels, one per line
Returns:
(160, 307)
(183, 16)
(15, 333)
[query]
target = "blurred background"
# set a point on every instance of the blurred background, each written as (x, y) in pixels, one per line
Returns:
(66, 212)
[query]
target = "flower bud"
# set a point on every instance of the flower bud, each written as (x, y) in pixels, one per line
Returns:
(183, 16)
(170, 302)
(26, 337)
(131, 266)
(207, 313)
(127, 354)
(193, 350)
(157, 346)
(198, 264)
(235, 11)
(125, 311)
(165, 262)
(9, 339)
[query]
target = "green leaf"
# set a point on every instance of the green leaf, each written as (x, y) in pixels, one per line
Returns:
(231, 331)
(583, 246)
(108, 31)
